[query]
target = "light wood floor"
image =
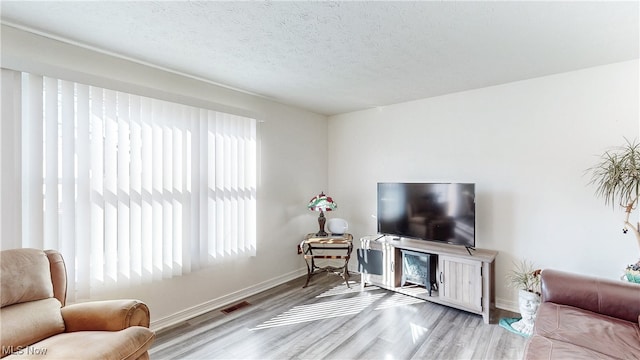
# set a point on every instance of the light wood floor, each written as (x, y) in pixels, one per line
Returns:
(328, 321)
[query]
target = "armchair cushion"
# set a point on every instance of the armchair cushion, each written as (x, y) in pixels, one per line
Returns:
(25, 276)
(108, 315)
(29, 322)
(128, 344)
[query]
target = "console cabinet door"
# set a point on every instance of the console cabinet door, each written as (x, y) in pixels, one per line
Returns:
(371, 262)
(378, 264)
(461, 282)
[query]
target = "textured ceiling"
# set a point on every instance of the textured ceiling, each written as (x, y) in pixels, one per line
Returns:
(336, 57)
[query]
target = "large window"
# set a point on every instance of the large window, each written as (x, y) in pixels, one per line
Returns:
(133, 189)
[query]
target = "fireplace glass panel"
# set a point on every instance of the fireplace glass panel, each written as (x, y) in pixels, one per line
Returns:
(419, 269)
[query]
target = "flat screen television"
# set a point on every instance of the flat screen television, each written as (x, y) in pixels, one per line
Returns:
(442, 212)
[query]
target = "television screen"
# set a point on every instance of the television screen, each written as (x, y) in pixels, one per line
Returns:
(443, 212)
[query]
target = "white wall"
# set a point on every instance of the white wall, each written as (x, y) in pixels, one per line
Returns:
(285, 184)
(526, 145)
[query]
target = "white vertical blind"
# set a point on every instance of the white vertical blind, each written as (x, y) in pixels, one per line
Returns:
(68, 188)
(11, 134)
(132, 189)
(32, 170)
(51, 165)
(83, 240)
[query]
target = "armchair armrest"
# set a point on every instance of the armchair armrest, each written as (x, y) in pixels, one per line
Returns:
(614, 298)
(108, 315)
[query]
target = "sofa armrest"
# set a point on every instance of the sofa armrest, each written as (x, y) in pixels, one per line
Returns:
(108, 315)
(614, 298)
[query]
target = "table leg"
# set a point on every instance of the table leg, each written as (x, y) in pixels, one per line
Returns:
(308, 277)
(345, 275)
(346, 265)
(310, 267)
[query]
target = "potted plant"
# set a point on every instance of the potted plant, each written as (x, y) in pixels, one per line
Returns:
(527, 280)
(617, 180)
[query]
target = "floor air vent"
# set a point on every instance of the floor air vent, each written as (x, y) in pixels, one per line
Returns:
(235, 307)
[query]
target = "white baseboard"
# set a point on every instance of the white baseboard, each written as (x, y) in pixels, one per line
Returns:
(509, 305)
(186, 314)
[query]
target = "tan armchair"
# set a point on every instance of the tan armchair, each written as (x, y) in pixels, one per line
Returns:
(35, 323)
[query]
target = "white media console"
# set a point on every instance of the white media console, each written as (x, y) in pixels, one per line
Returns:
(441, 273)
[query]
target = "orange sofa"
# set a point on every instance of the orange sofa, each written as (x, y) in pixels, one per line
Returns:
(36, 322)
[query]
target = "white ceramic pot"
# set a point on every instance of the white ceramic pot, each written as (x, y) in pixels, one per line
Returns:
(528, 303)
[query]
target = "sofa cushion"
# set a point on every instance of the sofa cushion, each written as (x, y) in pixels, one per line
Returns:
(24, 276)
(610, 297)
(588, 330)
(542, 348)
(29, 322)
(130, 343)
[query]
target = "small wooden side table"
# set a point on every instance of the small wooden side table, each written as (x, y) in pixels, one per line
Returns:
(343, 244)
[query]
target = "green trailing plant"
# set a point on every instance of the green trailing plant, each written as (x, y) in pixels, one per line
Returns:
(617, 180)
(524, 276)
